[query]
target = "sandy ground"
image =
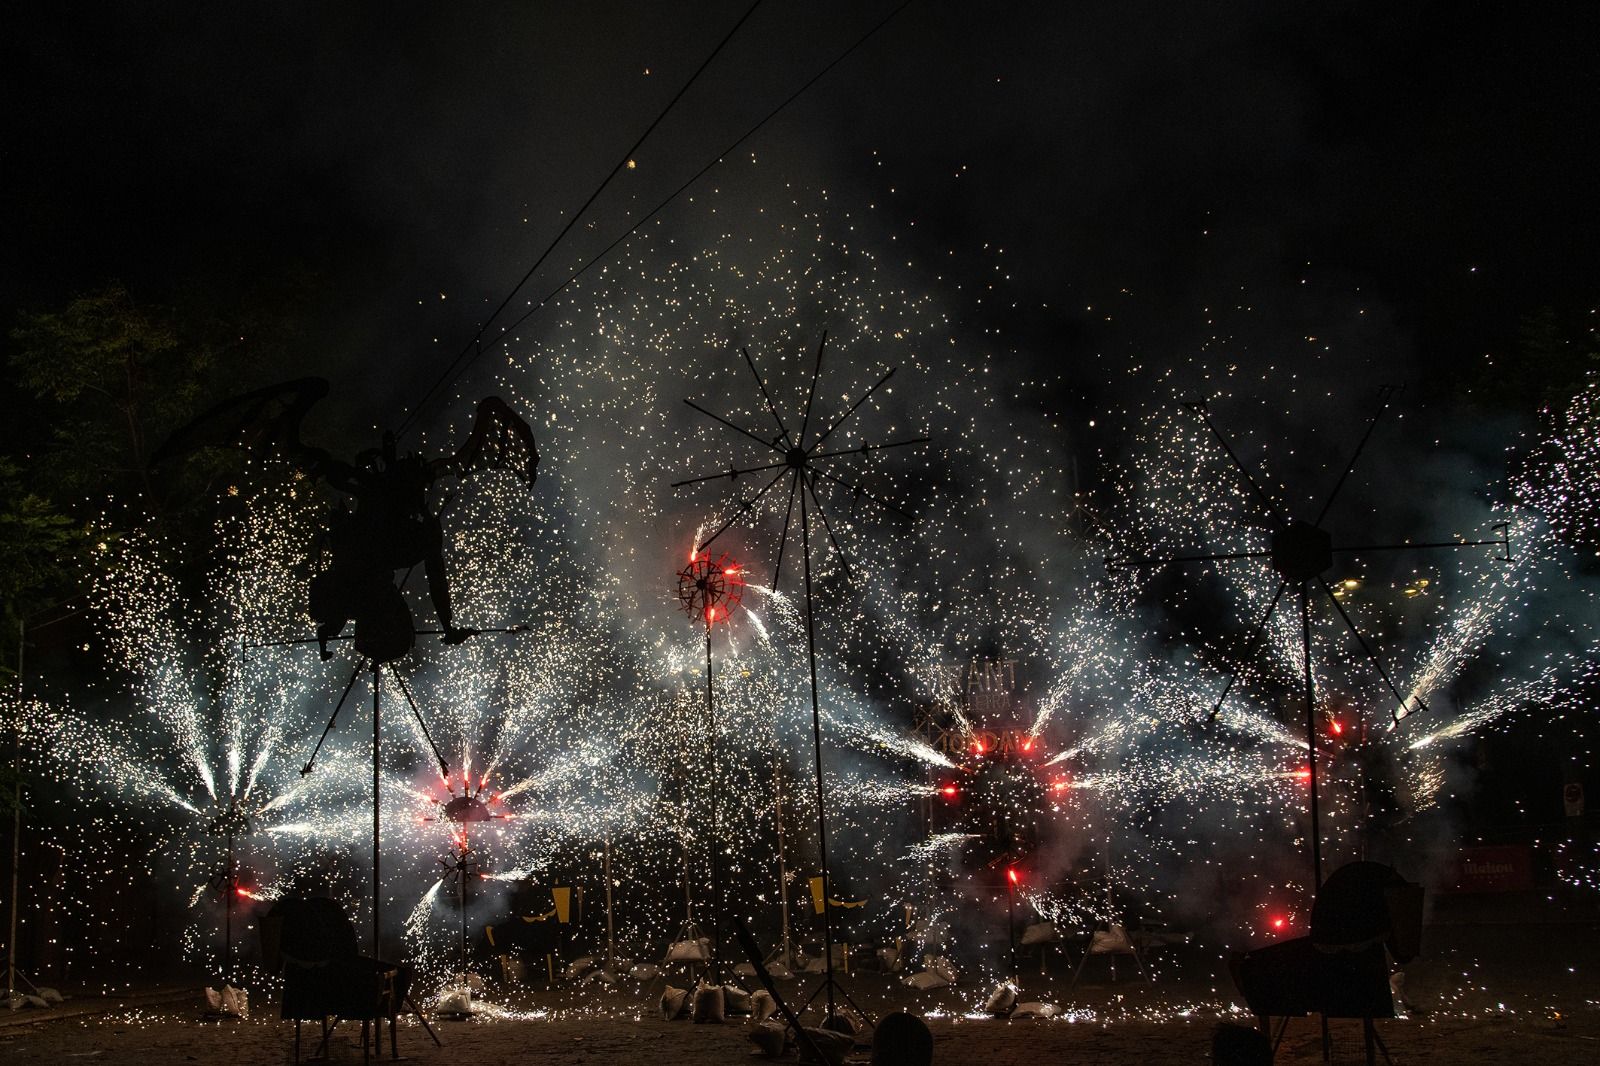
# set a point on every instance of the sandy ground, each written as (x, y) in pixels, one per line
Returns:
(1541, 1010)
(1490, 993)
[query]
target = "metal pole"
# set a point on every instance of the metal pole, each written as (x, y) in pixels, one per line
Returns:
(377, 944)
(231, 886)
(1311, 733)
(716, 863)
(16, 817)
(611, 929)
(816, 748)
(1011, 921)
(783, 869)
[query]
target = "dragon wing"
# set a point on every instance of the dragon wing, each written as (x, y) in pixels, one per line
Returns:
(500, 440)
(265, 423)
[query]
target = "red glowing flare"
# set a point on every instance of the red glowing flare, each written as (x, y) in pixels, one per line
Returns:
(1337, 727)
(1279, 923)
(1027, 745)
(1303, 775)
(1011, 874)
(950, 791)
(977, 747)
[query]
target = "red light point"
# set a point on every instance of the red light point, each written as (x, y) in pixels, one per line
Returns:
(1011, 874)
(1278, 923)
(949, 791)
(1338, 727)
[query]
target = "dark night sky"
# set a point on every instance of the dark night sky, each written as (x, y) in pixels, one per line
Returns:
(1176, 150)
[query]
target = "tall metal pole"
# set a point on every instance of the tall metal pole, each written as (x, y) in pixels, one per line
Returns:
(1311, 732)
(783, 869)
(816, 747)
(611, 929)
(716, 840)
(377, 945)
(16, 816)
(230, 888)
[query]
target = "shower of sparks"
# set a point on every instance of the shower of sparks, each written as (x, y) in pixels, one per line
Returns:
(586, 727)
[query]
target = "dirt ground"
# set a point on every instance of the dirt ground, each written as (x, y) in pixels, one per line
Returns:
(1483, 994)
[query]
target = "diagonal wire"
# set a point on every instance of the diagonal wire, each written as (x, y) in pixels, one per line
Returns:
(474, 347)
(1382, 671)
(744, 507)
(1372, 423)
(1249, 646)
(776, 417)
(695, 177)
(1200, 409)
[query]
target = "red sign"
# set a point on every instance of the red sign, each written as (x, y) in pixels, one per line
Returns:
(1502, 868)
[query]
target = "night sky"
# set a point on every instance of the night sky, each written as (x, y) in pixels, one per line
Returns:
(1437, 160)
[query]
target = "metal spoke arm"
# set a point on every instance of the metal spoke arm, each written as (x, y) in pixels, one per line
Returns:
(1503, 542)
(811, 396)
(737, 429)
(1205, 415)
(853, 408)
(828, 525)
(1114, 562)
(776, 417)
(1385, 394)
(444, 767)
(731, 473)
(859, 491)
(1371, 655)
(866, 449)
(1250, 644)
(745, 506)
(332, 718)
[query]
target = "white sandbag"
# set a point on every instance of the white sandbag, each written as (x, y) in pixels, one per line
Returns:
(736, 999)
(769, 1038)
(762, 1005)
(690, 951)
(1040, 933)
(1001, 1000)
(710, 1005)
(1033, 1009)
(832, 1046)
(578, 967)
(454, 1000)
(674, 1003)
(924, 981)
(50, 995)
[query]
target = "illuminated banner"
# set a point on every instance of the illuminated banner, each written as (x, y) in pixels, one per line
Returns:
(1502, 868)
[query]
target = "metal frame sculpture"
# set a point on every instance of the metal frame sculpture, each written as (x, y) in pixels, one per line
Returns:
(1300, 553)
(710, 590)
(802, 459)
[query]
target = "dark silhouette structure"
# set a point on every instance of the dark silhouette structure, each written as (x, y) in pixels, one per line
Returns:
(385, 522)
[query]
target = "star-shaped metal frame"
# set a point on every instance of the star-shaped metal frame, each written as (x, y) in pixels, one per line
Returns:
(803, 460)
(1300, 553)
(803, 463)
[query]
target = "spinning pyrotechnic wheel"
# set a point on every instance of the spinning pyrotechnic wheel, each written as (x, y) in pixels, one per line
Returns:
(710, 589)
